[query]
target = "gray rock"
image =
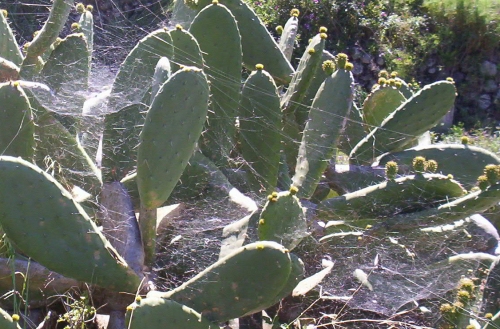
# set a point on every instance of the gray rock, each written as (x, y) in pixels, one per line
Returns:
(357, 69)
(488, 69)
(380, 61)
(366, 58)
(484, 102)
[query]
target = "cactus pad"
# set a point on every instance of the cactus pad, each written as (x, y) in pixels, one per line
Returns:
(160, 313)
(244, 282)
(172, 127)
(43, 221)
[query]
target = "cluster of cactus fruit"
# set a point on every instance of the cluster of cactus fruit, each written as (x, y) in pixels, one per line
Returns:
(176, 84)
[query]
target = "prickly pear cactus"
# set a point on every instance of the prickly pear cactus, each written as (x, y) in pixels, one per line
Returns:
(168, 139)
(260, 126)
(223, 68)
(16, 133)
(244, 282)
(43, 221)
(9, 49)
(283, 219)
(161, 313)
(411, 119)
(327, 119)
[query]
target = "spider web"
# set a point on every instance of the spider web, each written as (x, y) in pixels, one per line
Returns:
(406, 271)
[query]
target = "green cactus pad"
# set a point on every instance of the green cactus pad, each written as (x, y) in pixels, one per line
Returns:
(163, 71)
(405, 88)
(186, 50)
(8, 70)
(16, 127)
(160, 313)
(464, 162)
(134, 77)
(354, 130)
(292, 131)
(246, 281)
(172, 127)
(9, 49)
(292, 101)
(44, 222)
(46, 37)
(6, 321)
(66, 72)
(473, 203)
(59, 152)
(260, 129)
(86, 23)
(120, 141)
(405, 194)
(379, 104)
(221, 47)
(257, 43)
(417, 115)
(288, 37)
(283, 220)
(327, 119)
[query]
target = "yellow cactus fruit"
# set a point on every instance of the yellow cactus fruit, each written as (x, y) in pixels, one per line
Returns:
(466, 284)
(90, 8)
(75, 26)
(215, 2)
(138, 299)
(37, 32)
(311, 51)
(394, 74)
(259, 67)
(80, 8)
(328, 67)
(391, 82)
(349, 66)
(260, 246)
(419, 164)
(449, 176)
(449, 79)
(279, 29)
(492, 173)
(294, 12)
(342, 60)
(382, 81)
(323, 36)
(391, 170)
(446, 308)
(26, 46)
(5, 13)
(398, 84)
(274, 194)
(463, 296)
(432, 165)
(383, 74)
(465, 140)
(294, 190)
(15, 84)
(488, 316)
(130, 308)
(323, 29)
(262, 221)
(178, 27)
